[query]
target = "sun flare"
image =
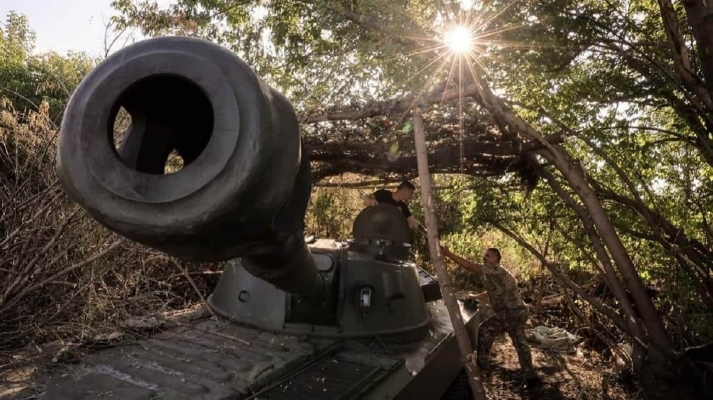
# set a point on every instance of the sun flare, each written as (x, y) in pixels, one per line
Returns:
(459, 39)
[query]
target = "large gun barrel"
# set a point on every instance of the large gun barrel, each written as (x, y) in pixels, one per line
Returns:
(245, 182)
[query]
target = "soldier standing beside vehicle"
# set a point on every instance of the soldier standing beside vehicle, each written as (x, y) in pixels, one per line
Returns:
(510, 311)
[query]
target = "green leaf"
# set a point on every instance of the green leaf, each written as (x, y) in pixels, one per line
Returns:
(407, 127)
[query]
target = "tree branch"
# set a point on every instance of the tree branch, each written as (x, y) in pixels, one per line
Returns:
(480, 158)
(679, 51)
(700, 18)
(615, 285)
(387, 107)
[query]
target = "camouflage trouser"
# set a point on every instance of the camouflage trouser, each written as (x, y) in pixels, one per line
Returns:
(512, 322)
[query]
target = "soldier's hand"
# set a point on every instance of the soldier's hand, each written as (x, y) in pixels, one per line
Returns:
(472, 358)
(371, 202)
(422, 229)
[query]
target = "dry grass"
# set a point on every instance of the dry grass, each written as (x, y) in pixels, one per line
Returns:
(63, 278)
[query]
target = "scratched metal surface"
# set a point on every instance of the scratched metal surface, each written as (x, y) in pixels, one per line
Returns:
(342, 374)
(206, 361)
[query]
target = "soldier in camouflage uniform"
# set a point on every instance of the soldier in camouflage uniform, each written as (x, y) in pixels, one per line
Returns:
(510, 311)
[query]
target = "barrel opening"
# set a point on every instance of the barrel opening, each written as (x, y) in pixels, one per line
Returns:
(161, 124)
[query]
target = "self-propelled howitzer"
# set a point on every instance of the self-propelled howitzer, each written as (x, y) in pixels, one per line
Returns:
(241, 197)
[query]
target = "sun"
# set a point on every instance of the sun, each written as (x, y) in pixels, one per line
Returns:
(459, 39)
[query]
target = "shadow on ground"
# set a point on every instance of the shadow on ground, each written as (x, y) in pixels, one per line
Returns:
(505, 383)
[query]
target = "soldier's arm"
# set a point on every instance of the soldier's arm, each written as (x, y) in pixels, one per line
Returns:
(481, 296)
(370, 200)
(469, 265)
(413, 222)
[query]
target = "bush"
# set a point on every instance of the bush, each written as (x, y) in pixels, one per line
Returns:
(63, 276)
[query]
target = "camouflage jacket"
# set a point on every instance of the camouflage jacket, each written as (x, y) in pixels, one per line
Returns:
(502, 288)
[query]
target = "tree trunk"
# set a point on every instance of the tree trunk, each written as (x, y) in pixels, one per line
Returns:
(577, 180)
(680, 54)
(540, 290)
(449, 298)
(700, 18)
(610, 276)
(665, 377)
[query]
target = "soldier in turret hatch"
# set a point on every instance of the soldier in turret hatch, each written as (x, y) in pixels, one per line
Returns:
(510, 312)
(398, 198)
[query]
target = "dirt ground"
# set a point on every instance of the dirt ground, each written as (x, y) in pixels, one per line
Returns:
(581, 376)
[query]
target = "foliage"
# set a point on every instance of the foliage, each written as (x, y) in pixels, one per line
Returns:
(27, 79)
(295, 44)
(331, 212)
